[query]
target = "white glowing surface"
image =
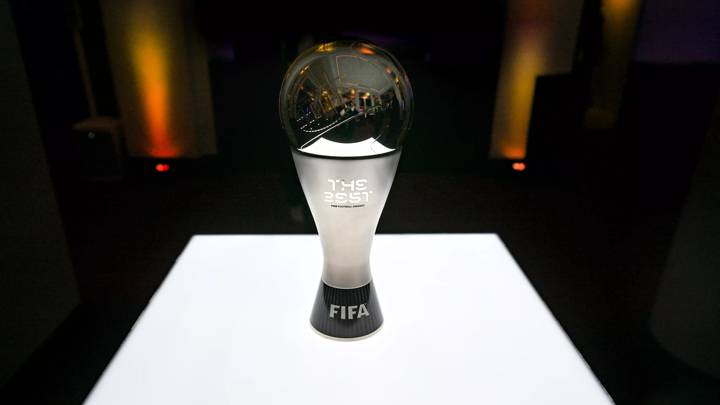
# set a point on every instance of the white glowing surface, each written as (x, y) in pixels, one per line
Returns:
(325, 147)
(463, 325)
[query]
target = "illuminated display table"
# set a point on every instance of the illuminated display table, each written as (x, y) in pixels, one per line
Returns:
(230, 325)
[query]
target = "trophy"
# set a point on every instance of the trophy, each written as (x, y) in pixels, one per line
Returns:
(346, 107)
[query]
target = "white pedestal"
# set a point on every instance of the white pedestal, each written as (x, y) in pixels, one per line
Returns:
(463, 325)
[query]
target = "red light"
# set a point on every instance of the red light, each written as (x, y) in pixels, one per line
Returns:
(162, 167)
(518, 166)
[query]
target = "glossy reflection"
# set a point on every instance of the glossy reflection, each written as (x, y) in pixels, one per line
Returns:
(347, 98)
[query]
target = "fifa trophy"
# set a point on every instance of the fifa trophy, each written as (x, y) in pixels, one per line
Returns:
(346, 107)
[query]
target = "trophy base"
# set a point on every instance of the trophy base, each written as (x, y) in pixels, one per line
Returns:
(346, 314)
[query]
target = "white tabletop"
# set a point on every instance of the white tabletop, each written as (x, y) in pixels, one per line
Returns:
(230, 325)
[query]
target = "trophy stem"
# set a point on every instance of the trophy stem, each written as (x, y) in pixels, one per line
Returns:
(346, 198)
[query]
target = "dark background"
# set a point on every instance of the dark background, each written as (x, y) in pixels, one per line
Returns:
(591, 221)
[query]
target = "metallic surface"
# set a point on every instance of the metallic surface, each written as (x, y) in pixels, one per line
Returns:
(339, 95)
(346, 198)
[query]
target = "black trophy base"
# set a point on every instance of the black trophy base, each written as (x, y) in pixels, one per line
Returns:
(346, 313)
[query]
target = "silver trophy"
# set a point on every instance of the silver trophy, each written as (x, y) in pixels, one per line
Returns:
(346, 107)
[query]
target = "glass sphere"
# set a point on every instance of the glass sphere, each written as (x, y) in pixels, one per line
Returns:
(346, 99)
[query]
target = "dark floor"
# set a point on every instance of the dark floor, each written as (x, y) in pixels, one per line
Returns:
(597, 274)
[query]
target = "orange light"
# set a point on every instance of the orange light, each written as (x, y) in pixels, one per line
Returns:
(367, 51)
(162, 167)
(151, 71)
(539, 39)
(328, 47)
(619, 8)
(510, 152)
(516, 90)
(518, 166)
(150, 57)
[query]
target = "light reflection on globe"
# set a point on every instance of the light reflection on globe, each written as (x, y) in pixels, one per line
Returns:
(346, 99)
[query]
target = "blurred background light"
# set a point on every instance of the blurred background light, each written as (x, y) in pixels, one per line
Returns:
(161, 79)
(540, 38)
